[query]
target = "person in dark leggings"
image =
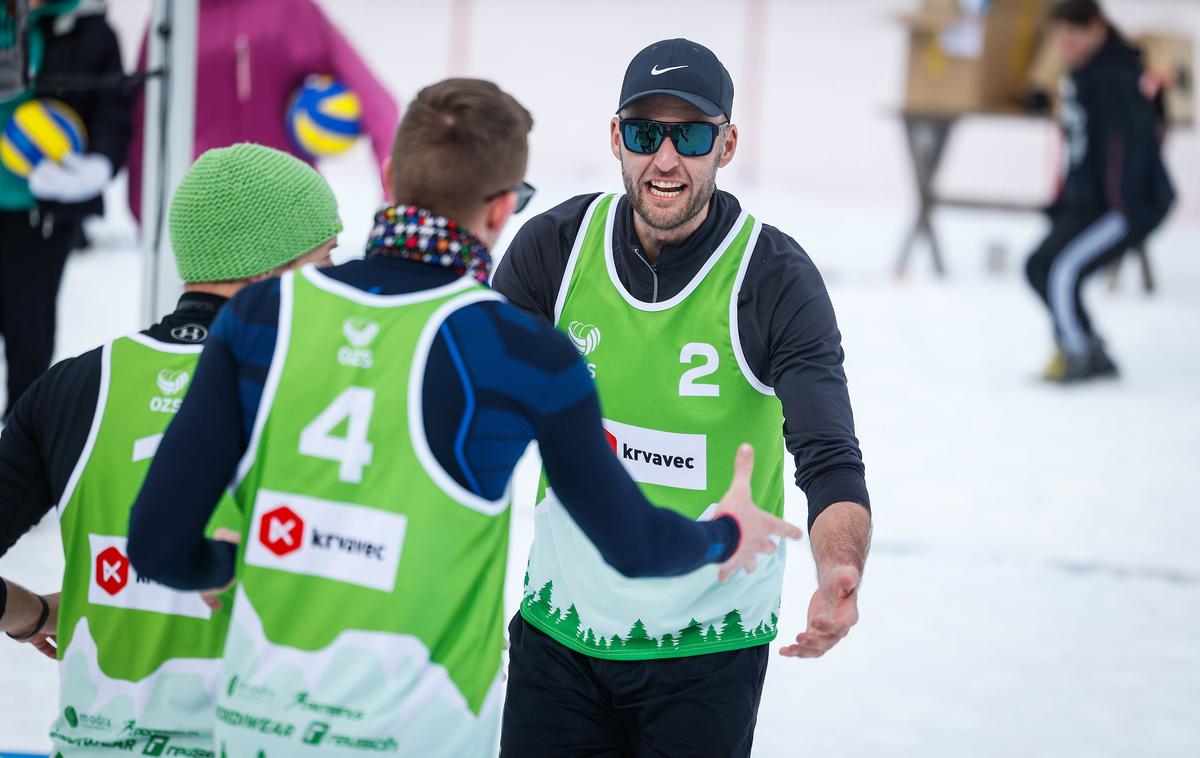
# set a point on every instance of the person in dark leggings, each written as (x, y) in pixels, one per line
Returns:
(1116, 190)
(40, 217)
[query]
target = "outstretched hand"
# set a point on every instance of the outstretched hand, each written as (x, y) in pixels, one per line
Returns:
(831, 612)
(212, 597)
(756, 525)
(46, 642)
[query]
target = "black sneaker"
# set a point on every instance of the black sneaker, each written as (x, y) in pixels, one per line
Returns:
(1070, 368)
(1100, 364)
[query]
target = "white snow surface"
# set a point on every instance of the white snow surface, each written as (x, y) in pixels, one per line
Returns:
(1034, 587)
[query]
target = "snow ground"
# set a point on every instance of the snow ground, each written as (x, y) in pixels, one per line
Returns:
(1034, 587)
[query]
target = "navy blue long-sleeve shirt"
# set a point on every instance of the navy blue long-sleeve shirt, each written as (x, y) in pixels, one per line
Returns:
(496, 379)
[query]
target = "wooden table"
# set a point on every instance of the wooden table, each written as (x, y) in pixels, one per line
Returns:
(927, 135)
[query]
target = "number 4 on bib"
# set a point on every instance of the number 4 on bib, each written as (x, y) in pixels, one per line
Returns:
(352, 451)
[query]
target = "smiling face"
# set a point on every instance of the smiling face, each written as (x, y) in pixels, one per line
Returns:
(670, 192)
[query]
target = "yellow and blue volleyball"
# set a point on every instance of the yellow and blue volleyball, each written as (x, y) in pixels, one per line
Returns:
(40, 130)
(324, 117)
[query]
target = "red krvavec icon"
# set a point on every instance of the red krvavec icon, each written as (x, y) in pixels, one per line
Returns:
(112, 570)
(281, 530)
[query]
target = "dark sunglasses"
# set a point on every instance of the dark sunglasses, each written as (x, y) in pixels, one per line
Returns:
(690, 138)
(525, 193)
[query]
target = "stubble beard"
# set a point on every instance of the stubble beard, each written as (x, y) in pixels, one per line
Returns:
(701, 194)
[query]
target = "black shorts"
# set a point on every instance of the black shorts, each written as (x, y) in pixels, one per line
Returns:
(564, 703)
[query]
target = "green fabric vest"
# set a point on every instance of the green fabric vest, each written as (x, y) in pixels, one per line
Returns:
(678, 399)
(369, 616)
(138, 660)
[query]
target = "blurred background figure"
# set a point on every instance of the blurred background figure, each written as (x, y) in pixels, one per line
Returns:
(77, 100)
(253, 56)
(1116, 190)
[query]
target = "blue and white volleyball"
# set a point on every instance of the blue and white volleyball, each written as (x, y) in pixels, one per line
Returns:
(324, 117)
(40, 130)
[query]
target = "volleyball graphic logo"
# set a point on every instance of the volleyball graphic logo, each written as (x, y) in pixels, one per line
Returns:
(585, 336)
(40, 130)
(324, 117)
(172, 381)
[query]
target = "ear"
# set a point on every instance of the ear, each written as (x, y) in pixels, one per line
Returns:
(499, 210)
(614, 129)
(728, 145)
(388, 175)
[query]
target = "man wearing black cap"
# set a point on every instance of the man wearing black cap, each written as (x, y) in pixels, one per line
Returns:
(703, 328)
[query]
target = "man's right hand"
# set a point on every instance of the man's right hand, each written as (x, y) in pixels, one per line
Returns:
(212, 598)
(756, 525)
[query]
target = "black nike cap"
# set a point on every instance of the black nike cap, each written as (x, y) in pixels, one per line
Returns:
(682, 68)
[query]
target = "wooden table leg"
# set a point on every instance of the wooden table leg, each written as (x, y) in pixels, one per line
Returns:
(926, 137)
(1114, 270)
(1147, 274)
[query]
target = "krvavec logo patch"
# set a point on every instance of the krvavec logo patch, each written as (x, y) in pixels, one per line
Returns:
(359, 332)
(656, 457)
(585, 336)
(341, 541)
(115, 583)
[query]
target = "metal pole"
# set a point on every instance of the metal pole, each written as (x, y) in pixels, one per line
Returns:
(169, 130)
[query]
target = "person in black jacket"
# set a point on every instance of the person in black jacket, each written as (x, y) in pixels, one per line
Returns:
(1116, 190)
(80, 65)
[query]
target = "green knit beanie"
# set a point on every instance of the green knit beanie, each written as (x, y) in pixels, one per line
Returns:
(245, 210)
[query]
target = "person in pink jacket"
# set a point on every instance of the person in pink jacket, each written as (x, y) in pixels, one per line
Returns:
(252, 57)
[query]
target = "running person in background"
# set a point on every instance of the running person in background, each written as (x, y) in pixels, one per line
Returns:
(138, 661)
(251, 57)
(698, 322)
(1116, 191)
(377, 409)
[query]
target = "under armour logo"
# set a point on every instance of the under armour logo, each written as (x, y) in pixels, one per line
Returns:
(190, 333)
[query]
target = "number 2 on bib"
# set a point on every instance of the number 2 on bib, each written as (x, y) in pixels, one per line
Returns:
(688, 386)
(352, 451)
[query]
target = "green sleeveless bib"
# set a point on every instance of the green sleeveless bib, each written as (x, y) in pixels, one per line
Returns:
(138, 660)
(678, 400)
(369, 615)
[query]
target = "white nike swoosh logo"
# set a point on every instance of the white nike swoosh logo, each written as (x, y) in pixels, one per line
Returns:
(656, 70)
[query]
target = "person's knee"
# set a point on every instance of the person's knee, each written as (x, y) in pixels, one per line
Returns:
(1037, 272)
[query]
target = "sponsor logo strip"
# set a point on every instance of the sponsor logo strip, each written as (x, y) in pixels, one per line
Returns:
(656, 457)
(341, 541)
(115, 583)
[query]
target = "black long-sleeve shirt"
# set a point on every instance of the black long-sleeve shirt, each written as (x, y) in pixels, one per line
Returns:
(786, 322)
(46, 431)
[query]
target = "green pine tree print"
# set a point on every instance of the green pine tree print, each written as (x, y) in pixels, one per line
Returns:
(668, 640)
(692, 634)
(569, 623)
(731, 628)
(637, 639)
(710, 636)
(540, 601)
